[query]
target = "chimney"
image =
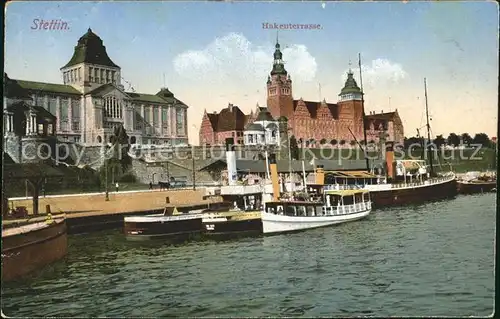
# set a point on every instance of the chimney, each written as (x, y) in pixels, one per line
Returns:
(382, 111)
(320, 175)
(232, 174)
(389, 160)
(273, 167)
(230, 107)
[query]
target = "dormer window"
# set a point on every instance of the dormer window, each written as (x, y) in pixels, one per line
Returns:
(272, 91)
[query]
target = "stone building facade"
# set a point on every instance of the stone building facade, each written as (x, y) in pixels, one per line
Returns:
(312, 123)
(92, 101)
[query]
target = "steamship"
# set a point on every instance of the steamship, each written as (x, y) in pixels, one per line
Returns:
(405, 182)
(319, 206)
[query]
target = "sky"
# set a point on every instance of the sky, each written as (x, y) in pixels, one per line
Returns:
(210, 54)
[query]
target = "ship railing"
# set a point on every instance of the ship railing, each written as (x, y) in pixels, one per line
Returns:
(431, 181)
(342, 186)
(347, 209)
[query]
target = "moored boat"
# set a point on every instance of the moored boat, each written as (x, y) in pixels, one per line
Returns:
(475, 182)
(318, 207)
(29, 247)
(169, 224)
(341, 207)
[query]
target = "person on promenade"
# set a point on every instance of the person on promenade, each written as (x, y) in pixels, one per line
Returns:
(150, 185)
(117, 186)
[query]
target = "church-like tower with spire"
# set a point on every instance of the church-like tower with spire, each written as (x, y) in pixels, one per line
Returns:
(279, 87)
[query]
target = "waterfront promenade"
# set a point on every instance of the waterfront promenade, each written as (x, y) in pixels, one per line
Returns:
(94, 204)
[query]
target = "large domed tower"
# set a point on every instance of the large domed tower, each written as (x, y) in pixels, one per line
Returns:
(90, 65)
(350, 107)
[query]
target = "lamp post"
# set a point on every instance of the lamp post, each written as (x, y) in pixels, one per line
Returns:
(194, 171)
(106, 178)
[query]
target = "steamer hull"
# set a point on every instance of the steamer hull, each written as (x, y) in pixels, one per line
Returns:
(24, 252)
(414, 195)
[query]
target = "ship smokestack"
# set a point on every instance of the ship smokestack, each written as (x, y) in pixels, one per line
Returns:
(389, 160)
(273, 167)
(320, 175)
(232, 174)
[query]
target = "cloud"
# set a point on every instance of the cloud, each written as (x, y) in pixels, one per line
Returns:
(233, 59)
(380, 72)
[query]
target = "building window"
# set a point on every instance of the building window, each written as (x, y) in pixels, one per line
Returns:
(79, 74)
(75, 115)
(180, 121)
(137, 120)
(75, 109)
(164, 118)
(91, 74)
(112, 107)
(51, 106)
(63, 114)
(147, 114)
(108, 79)
(156, 116)
(113, 79)
(76, 126)
(272, 92)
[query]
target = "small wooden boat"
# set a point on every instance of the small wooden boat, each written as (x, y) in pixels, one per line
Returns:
(29, 247)
(477, 184)
(169, 224)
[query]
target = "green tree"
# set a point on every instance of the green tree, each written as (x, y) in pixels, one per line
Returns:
(466, 139)
(482, 138)
(294, 148)
(323, 141)
(453, 139)
(118, 161)
(333, 142)
(439, 141)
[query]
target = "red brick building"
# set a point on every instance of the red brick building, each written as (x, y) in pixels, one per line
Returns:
(311, 122)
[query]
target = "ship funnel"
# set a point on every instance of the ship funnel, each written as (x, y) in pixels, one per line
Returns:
(273, 168)
(389, 160)
(320, 175)
(232, 174)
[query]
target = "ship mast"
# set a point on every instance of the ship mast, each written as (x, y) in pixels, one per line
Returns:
(429, 147)
(363, 112)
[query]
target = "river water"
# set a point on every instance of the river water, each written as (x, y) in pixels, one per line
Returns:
(427, 260)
